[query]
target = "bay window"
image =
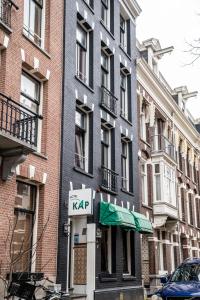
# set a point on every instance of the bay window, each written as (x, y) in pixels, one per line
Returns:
(157, 182)
(33, 15)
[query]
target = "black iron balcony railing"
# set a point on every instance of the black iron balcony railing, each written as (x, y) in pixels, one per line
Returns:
(5, 11)
(109, 179)
(18, 121)
(161, 144)
(108, 100)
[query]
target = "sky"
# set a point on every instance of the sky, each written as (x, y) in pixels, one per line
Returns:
(174, 23)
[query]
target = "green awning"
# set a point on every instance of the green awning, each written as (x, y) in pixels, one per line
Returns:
(143, 225)
(111, 214)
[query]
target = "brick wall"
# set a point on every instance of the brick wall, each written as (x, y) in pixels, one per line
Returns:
(48, 161)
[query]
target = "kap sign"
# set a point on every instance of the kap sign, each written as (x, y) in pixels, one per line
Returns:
(80, 202)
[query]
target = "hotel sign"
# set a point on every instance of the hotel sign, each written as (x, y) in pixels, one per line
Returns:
(80, 202)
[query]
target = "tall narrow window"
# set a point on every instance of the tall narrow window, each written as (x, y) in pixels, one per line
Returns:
(106, 250)
(105, 147)
(157, 181)
(30, 93)
(33, 20)
(190, 204)
(125, 165)
(144, 183)
(123, 95)
(81, 54)
(126, 252)
(144, 122)
(188, 162)
(183, 205)
(180, 158)
(25, 203)
(105, 70)
(105, 12)
(81, 145)
(123, 37)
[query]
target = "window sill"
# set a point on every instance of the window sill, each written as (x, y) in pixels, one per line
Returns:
(107, 29)
(129, 122)
(126, 53)
(128, 277)
(107, 277)
(83, 83)
(5, 27)
(40, 155)
(147, 206)
(90, 8)
(38, 47)
(127, 192)
(145, 142)
(107, 190)
(83, 172)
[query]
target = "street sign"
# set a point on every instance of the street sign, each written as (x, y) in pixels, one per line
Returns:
(80, 202)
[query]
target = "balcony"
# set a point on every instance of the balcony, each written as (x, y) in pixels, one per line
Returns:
(18, 133)
(165, 214)
(5, 12)
(18, 125)
(109, 179)
(161, 145)
(108, 101)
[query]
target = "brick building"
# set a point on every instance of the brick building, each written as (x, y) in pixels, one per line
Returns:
(97, 257)
(169, 166)
(30, 113)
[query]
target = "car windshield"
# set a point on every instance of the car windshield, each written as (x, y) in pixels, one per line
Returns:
(187, 273)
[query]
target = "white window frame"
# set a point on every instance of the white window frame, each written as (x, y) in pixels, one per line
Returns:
(126, 178)
(40, 109)
(86, 137)
(144, 184)
(107, 25)
(109, 146)
(108, 74)
(87, 54)
(125, 45)
(171, 181)
(26, 30)
(124, 112)
(161, 181)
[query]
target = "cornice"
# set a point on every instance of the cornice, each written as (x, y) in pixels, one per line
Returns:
(155, 85)
(132, 6)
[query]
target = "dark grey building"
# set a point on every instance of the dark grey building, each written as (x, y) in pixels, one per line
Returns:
(99, 255)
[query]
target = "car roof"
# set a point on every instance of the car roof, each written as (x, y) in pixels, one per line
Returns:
(191, 260)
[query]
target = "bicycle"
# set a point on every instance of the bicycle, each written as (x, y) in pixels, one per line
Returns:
(27, 291)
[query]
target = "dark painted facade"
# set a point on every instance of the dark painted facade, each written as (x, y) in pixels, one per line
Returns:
(103, 113)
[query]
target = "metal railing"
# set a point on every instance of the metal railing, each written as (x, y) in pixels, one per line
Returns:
(5, 11)
(161, 144)
(109, 179)
(108, 100)
(18, 121)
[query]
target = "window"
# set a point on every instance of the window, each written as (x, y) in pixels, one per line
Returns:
(81, 140)
(30, 93)
(105, 70)
(105, 148)
(125, 34)
(124, 96)
(144, 183)
(188, 162)
(195, 170)
(81, 54)
(126, 240)
(180, 158)
(90, 3)
(197, 212)
(105, 12)
(125, 165)
(190, 206)
(144, 122)
(157, 181)
(24, 214)
(108, 250)
(183, 205)
(33, 10)
(169, 185)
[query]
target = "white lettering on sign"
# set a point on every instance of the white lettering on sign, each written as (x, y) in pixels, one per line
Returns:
(80, 202)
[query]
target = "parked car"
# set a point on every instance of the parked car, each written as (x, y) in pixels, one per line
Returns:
(183, 284)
